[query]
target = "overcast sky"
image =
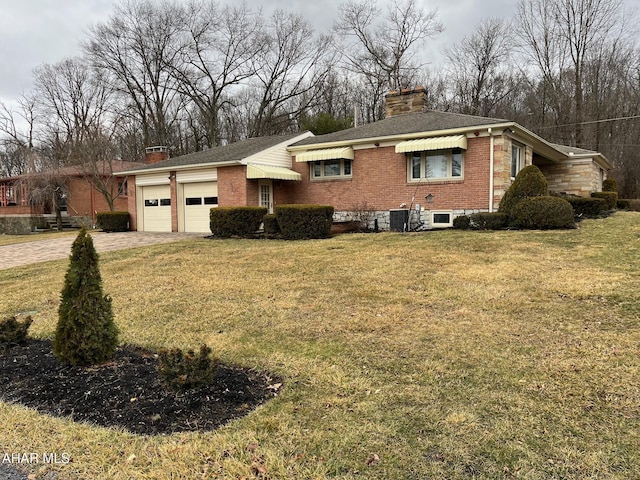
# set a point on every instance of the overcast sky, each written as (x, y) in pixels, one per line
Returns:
(33, 32)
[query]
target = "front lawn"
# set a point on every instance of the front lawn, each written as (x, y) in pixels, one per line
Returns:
(33, 237)
(448, 354)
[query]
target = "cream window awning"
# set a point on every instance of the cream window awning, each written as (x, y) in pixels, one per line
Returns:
(274, 173)
(325, 154)
(434, 143)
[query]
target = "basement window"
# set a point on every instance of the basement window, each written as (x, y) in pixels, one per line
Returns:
(441, 219)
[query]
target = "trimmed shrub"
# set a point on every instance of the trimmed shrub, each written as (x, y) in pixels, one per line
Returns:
(304, 221)
(611, 198)
(529, 182)
(180, 371)
(86, 333)
(461, 222)
(271, 226)
(586, 206)
(623, 204)
(609, 185)
(13, 332)
(227, 222)
(488, 221)
(634, 205)
(543, 213)
(113, 221)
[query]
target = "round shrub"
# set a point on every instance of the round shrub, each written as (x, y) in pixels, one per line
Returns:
(227, 222)
(461, 222)
(529, 182)
(543, 213)
(488, 221)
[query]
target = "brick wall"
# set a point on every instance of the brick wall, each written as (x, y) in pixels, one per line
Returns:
(234, 190)
(380, 180)
(84, 200)
(131, 203)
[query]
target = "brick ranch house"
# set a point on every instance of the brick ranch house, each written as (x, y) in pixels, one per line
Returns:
(419, 165)
(20, 211)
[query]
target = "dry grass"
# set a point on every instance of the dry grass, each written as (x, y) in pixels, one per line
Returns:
(33, 237)
(446, 354)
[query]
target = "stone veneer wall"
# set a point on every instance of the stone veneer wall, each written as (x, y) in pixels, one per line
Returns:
(578, 177)
(417, 224)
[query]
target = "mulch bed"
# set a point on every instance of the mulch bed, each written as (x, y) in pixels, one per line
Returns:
(126, 392)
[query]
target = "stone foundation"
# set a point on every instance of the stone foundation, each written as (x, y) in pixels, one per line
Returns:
(417, 222)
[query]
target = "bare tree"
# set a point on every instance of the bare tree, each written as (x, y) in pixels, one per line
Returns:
(16, 141)
(385, 44)
(479, 69)
(288, 73)
(217, 53)
(135, 48)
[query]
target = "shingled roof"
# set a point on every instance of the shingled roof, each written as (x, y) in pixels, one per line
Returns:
(428, 121)
(223, 154)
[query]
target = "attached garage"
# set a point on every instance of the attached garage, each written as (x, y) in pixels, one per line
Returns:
(156, 208)
(199, 199)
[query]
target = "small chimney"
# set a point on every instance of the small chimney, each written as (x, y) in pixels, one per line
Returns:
(155, 154)
(405, 101)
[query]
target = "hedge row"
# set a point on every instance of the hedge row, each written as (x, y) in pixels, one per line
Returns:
(227, 222)
(113, 221)
(610, 198)
(304, 221)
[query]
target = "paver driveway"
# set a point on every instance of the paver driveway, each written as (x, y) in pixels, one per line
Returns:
(57, 248)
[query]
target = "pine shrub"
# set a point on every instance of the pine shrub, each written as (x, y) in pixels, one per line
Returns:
(304, 221)
(543, 213)
(530, 182)
(86, 333)
(228, 222)
(13, 332)
(180, 371)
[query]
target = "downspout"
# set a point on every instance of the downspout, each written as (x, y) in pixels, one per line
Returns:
(490, 169)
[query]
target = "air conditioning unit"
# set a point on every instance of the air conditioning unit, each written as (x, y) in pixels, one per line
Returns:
(398, 220)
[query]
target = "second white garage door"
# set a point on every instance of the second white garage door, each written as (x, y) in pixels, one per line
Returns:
(199, 199)
(157, 208)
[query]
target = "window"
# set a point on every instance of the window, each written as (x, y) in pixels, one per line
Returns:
(122, 187)
(436, 164)
(517, 158)
(210, 200)
(151, 203)
(331, 168)
(165, 202)
(194, 201)
(441, 219)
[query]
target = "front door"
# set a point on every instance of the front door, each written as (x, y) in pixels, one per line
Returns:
(266, 195)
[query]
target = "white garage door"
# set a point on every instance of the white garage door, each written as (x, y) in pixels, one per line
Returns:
(199, 199)
(157, 208)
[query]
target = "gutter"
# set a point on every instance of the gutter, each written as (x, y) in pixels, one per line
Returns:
(179, 167)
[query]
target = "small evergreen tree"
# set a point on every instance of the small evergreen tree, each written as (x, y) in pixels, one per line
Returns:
(86, 333)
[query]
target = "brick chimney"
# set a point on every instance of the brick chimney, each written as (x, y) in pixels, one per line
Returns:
(155, 154)
(405, 101)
